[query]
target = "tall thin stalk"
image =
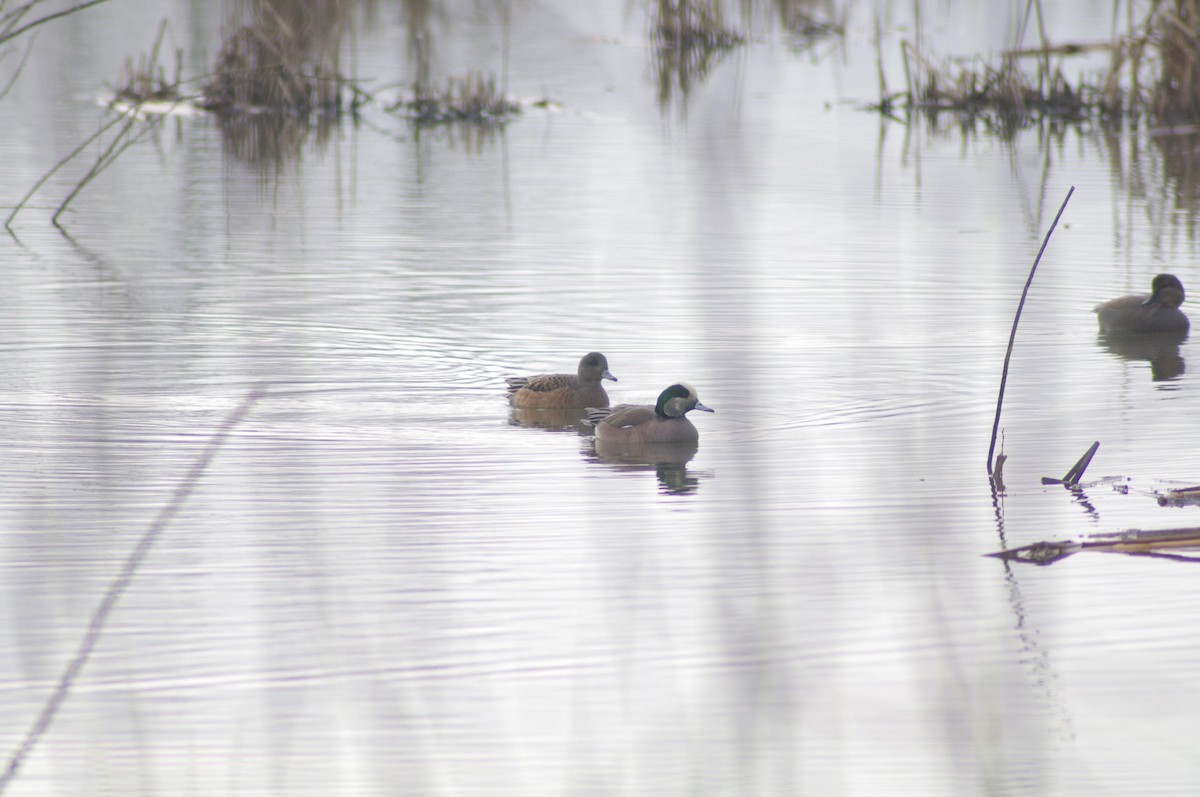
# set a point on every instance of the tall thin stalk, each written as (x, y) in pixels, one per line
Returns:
(1012, 336)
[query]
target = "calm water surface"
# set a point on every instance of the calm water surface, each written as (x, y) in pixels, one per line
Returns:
(385, 583)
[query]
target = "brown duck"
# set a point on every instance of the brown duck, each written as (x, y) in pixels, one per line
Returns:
(563, 391)
(1158, 312)
(663, 422)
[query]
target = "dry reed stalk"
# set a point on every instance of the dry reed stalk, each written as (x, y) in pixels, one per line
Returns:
(1012, 335)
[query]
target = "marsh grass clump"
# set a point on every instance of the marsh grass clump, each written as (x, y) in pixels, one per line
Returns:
(1174, 31)
(1152, 71)
(255, 72)
(474, 99)
(284, 58)
(1004, 93)
(805, 28)
(147, 80)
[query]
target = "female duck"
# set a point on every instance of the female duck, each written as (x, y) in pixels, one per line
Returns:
(563, 391)
(665, 422)
(1158, 312)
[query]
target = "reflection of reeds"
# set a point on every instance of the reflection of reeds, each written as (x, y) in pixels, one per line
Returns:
(806, 27)
(265, 140)
(1175, 31)
(689, 38)
(688, 24)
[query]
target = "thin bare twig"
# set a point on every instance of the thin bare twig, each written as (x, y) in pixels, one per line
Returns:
(48, 18)
(10, 20)
(1012, 336)
(67, 159)
(105, 160)
(20, 67)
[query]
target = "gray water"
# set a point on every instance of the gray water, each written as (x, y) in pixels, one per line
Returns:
(384, 583)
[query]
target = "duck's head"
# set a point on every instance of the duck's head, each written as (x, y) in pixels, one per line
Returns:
(678, 400)
(1167, 290)
(594, 367)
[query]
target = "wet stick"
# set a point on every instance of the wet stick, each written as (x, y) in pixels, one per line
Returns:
(1012, 336)
(1076, 472)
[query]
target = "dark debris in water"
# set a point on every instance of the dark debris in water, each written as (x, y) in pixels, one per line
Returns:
(1176, 544)
(1179, 496)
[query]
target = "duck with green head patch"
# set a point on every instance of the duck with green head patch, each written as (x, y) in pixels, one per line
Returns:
(1158, 312)
(663, 422)
(563, 391)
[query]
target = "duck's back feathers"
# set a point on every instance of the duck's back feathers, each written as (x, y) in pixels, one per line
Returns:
(628, 416)
(563, 391)
(542, 383)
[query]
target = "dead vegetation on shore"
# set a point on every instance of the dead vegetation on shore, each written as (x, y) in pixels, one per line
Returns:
(285, 57)
(1152, 72)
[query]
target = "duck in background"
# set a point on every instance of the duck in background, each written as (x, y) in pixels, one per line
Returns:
(1158, 312)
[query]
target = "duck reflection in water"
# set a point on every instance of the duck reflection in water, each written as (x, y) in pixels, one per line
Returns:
(667, 460)
(1148, 328)
(1160, 349)
(658, 436)
(557, 401)
(568, 420)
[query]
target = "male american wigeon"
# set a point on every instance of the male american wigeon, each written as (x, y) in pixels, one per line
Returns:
(563, 391)
(663, 422)
(1158, 312)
